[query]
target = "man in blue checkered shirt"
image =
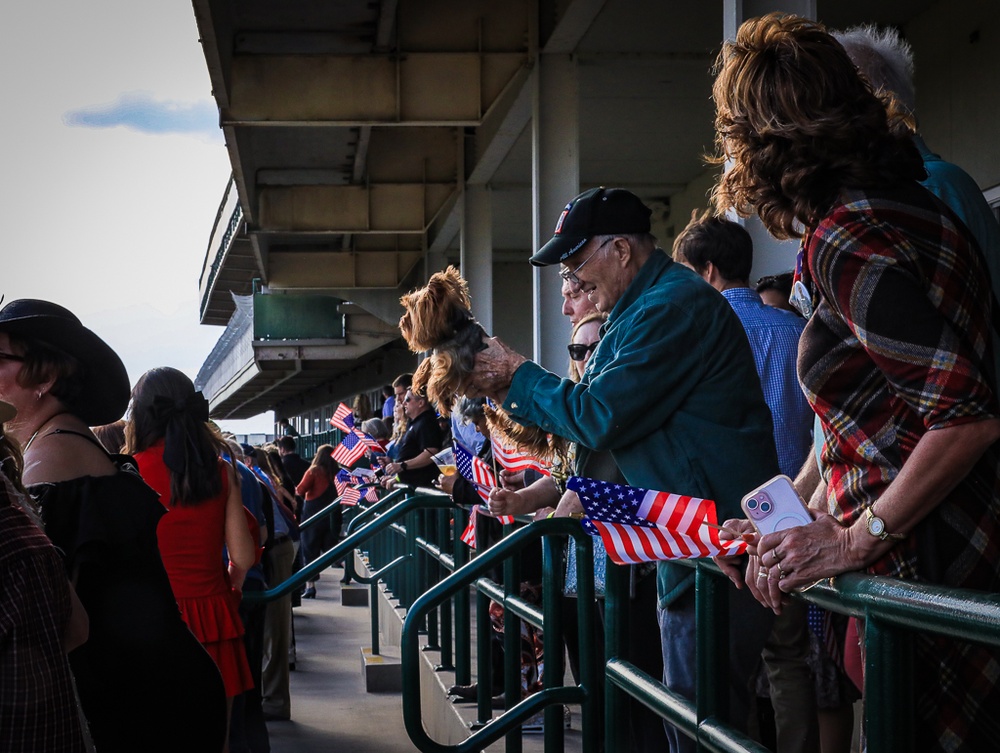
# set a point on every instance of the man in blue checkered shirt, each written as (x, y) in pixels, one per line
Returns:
(721, 252)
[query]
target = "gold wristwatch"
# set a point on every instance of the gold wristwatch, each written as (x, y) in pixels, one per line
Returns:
(876, 527)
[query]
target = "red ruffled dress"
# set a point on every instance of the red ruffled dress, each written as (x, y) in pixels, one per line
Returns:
(191, 539)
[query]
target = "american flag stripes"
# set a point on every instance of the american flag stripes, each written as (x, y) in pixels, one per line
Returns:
(641, 525)
(343, 418)
(351, 487)
(350, 450)
(369, 442)
(341, 480)
(516, 461)
(478, 473)
(469, 534)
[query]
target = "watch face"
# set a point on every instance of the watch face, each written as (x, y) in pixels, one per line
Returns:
(876, 526)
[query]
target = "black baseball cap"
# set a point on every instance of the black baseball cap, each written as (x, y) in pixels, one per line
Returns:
(599, 211)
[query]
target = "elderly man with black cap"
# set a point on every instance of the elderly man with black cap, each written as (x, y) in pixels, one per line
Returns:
(670, 397)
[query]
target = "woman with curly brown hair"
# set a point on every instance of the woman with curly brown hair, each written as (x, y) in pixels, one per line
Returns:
(896, 359)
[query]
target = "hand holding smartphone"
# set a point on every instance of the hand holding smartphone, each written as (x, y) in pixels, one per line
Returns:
(775, 506)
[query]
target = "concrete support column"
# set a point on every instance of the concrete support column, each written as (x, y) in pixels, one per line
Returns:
(555, 179)
(770, 255)
(477, 252)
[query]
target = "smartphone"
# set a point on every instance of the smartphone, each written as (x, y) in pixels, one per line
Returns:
(775, 506)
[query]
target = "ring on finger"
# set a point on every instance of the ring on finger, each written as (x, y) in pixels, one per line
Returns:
(761, 574)
(781, 573)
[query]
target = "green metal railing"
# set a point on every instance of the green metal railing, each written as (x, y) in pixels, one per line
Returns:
(892, 610)
(553, 694)
(421, 528)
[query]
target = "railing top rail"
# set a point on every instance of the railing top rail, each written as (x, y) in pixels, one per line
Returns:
(961, 614)
(352, 541)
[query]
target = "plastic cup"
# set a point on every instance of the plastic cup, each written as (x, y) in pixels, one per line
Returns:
(445, 461)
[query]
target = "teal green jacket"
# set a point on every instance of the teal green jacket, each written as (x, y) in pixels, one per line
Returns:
(671, 392)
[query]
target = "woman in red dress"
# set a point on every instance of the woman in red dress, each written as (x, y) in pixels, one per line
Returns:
(178, 456)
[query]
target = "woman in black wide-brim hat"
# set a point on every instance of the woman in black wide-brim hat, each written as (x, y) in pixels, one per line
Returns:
(144, 681)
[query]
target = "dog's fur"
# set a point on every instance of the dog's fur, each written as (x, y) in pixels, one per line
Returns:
(438, 318)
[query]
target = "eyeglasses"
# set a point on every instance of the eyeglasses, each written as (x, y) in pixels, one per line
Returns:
(570, 275)
(10, 357)
(579, 351)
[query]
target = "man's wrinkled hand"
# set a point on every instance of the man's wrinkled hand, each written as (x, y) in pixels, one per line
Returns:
(493, 371)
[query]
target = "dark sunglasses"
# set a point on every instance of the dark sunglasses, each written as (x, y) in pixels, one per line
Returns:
(579, 351)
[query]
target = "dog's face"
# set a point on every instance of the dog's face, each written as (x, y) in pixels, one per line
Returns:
(429, 311)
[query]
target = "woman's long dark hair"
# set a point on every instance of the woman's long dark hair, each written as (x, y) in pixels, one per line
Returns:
(166, 406)
(278, 470)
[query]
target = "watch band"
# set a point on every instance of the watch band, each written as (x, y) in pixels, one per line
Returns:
(402, 464)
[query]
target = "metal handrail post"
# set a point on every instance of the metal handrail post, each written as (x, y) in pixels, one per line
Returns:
(616, 616)
(484, 660)
(428, 569)
(463, 639)
(412, 579)
(711, 647)
(553, 639)
(586, 614)
(512, 646)
(447, 661)
(888, 687)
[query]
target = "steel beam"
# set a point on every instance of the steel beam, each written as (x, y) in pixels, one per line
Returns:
(338, 269)
(427, 88)
(380, 208)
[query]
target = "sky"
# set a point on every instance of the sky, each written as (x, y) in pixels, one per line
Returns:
(113, 170)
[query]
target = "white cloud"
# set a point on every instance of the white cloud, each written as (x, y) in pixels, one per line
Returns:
(140, 111)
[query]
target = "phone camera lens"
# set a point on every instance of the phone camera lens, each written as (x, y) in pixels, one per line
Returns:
(752, 503)
(765, 507)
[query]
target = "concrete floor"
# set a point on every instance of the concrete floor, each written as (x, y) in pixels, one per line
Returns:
(330, 709)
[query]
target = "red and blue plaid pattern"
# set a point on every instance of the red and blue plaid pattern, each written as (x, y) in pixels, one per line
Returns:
(898, 345)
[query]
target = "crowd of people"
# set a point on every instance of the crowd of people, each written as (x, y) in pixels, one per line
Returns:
(867, 373)
(126, 547)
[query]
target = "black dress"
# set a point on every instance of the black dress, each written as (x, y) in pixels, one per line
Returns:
(145, 682)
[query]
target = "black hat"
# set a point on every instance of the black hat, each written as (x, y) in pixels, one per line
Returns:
(105, 390)
(599, 211)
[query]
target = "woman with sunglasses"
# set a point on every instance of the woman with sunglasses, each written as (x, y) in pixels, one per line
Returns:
(583, 342)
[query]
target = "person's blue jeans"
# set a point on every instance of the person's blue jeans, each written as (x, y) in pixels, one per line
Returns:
(749, 624)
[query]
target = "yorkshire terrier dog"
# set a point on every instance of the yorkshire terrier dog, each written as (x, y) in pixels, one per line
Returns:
(438, 318)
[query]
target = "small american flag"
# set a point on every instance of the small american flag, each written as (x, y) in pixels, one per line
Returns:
(469, 534)
(353, 487)
(350, 450)
(369, 442)
(341, 480)
(479, 474)
(343, 418)
(516, 461)
(641, 525)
